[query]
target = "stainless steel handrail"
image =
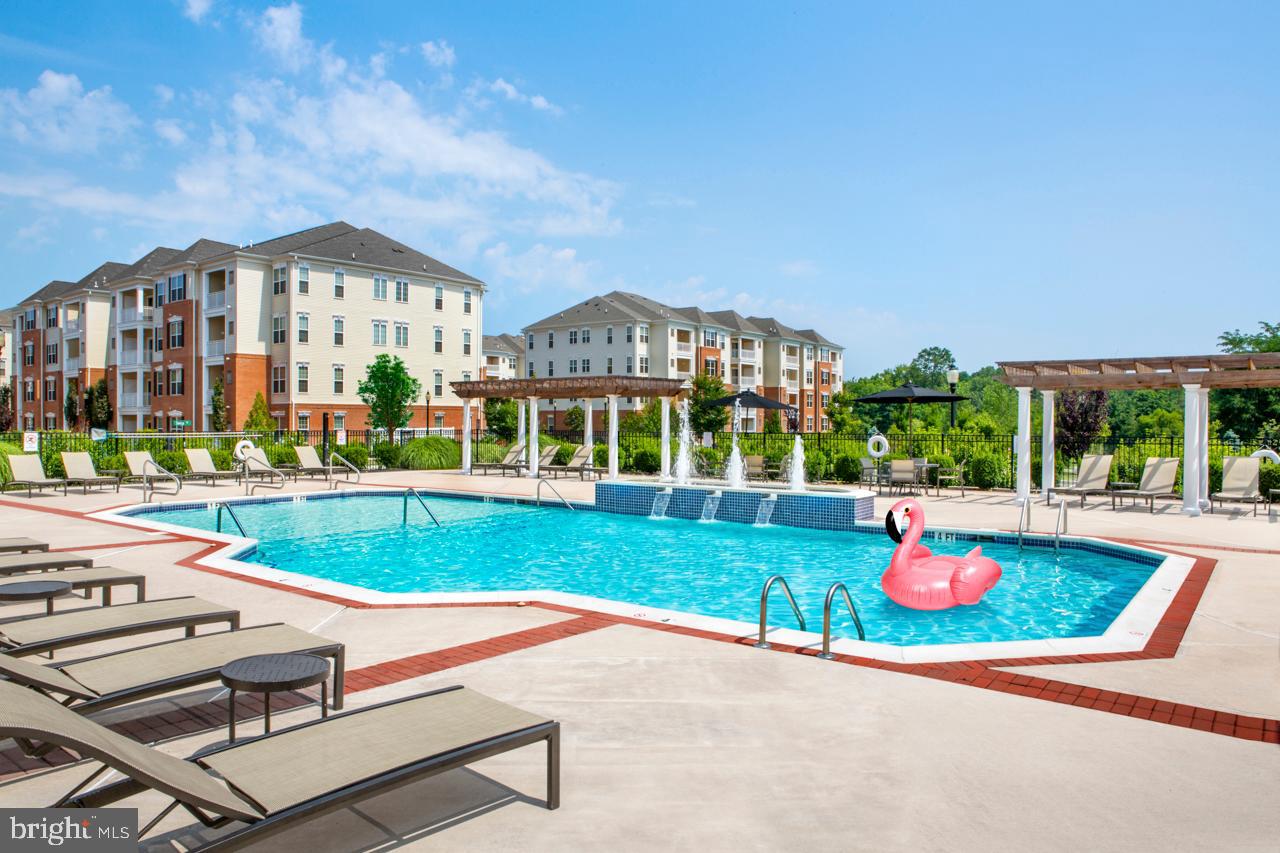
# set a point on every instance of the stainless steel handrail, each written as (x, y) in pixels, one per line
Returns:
(764, 607)
(231, 512)
(826, 618)
(1024, 521)
(350, 467)
(149, 490)
(404, 518)
(1060, 526)
(264, 468)
(538, 493)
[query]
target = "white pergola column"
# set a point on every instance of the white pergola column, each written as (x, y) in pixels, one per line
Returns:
(1191, 450)
(664, 407)
(466, 436)
(589, 427)
(613, 436)
(1023, 446)
(1048, 471)
(520, 437)
(533, 438)
(1203, 441)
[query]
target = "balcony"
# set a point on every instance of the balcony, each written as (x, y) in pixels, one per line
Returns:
(131, 358)
(684, 348)
(215, 349)
(136, 316)
(71, 363)
(792, 361)
(71, 327)
(215, 301)
(135, 400)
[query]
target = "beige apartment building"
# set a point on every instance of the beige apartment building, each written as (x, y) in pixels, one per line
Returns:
(628, 334)
(297, 318)
(503, 357)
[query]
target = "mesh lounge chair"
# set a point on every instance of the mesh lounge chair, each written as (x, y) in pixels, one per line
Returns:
(116, 678)
(1159, 478)
(27, 471)
(12, 564)
(309, 463)
(21, 545)
(257, 465)
(104, 578)
(27, 635)
(142, 467)
(581, 456)
(79, 468)
(513, 457)
(1241, 476)
(275, 781)
(1095, 474)
(202, 468)
(544, 459)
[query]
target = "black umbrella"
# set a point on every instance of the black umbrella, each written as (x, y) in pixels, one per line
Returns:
(749, 400)
(911, 394)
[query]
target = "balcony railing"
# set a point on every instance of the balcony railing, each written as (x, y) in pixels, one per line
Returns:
(135, 400)
(71, 327)
(215, 349)
(135, 315)
(684, 347)
(130, 358)
(216, 299)
(71, 363)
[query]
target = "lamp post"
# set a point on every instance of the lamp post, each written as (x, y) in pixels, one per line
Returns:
(953, 379)
(428, 399)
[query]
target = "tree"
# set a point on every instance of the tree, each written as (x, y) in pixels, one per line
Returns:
(930, 366)
(704, 417)
(1248, 411)
(97, 405)
(259, 418)
(389, 392)
(6, 408)
(502, 415)
(773, 422)
(71, 405)
(575, 419)
(218, 407)
(1080, 416)
(648, 419)
(1160, 423)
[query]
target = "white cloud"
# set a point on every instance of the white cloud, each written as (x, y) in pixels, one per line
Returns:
(511, 93)
(799, 268)
(170, 131)
(35, 233)
(438, 54)
(279, 32)
(195, 10)
(59, 115)
(164, 94)
(540, 267)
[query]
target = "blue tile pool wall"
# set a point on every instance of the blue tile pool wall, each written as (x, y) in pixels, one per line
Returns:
(815, 511)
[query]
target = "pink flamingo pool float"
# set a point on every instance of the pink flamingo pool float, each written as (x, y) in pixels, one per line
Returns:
(919, 579)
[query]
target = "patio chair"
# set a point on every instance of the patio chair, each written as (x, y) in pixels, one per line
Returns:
(544, 459)
(1094, 477)
(257, 465)
(273, 782)
(21, 545)
(902, 475)
(1159, 479)
(27, 471)
(513, 456)
(581, 457)
(104, 578)
(1241, 477)
(309, 463)
(753, 467)
(26, 635)
(869, 476)
(953, 477)
(79, 468)
(145, 469)
(116, 678)
(200, 460)
(12, 564)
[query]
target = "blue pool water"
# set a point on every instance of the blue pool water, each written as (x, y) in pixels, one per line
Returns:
(714, 569)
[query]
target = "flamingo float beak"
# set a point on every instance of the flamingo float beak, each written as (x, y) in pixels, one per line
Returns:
(891, 527)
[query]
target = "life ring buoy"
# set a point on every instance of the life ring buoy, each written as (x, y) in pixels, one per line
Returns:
(243, 446)
(1268, 454)
(877, 446)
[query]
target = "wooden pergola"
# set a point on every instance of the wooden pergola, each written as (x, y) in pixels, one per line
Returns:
(1195, 374)
(569, 387)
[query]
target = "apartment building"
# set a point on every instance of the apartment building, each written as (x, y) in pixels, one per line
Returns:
(297, 318)
(503, 357)
(629, 334)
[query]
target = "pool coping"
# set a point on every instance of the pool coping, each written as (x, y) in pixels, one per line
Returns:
(1129, 632)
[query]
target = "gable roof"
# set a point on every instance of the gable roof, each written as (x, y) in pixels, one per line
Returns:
(200, 250)
(51, 291)
(371, 248)
(292, 242)
(149, 265)
(512, 344)
(615, 305)
(771, 326)
(102, 276)
(735, 321)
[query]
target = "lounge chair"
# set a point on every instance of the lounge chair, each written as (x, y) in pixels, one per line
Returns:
(753, 467)
(142, 467)
(514, 454)
(952, 477)
(869, 475)
(27, 635)
(27, 471)
(1241, 476)
(79, 468)
(309, 463)
(257, 465)
(544, 459)
(12, 564)
(581, 456)
(1159, 479)
(202, 468)
(278, 780)
(1094, 477)
(116, 678)
(21, 545)
(104, 578)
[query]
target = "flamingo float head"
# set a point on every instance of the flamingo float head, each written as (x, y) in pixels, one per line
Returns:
(901, 516)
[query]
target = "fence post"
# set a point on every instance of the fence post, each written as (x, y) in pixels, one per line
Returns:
(324, 439)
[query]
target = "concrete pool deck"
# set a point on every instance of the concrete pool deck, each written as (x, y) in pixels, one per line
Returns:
(676, 741)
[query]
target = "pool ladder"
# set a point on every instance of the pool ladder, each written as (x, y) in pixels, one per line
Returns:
(231, 512)
(826, 618)
(404, 512)
(761, 642)
(1059, 525)
(543, 481)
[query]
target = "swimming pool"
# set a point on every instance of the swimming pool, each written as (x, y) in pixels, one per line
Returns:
(712, 569)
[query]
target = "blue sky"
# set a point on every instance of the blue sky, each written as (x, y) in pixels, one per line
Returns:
(1011, 182)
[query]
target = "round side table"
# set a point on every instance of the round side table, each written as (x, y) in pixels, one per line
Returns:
(35, 590)
(269, 674)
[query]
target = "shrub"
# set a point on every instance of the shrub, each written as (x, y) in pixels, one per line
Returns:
(387, 454)
(113, 462)
(816, 466)
(222, 460)
(173, 461)
(1269, 477)
(944, 461)
(281, 454)
(646, 461)
(984, 471)
(5, 449)
(356, 454)
(431, 453)
(488, 451)
(600, 456)
(708, 461)
(563, 454)
(846, 468)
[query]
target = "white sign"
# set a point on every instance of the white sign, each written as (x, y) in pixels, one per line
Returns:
(342, 436)
(96, 434)
(708, 440)
(30, 442)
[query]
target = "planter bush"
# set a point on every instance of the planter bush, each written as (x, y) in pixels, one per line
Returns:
(846, 468)
(356, 454)
(222, 460)
(646, 461)
(5, 450)
(387, 454)
(984, 471)
(173, 461)
(488, 451)
(281, 454)
(431, 453)
(563, 454)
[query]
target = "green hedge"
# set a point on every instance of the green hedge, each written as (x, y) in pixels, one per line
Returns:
(5, 450)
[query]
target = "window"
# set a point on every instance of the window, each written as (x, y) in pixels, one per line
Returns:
(826, 400)
(30, 421)
(177, 287)
(304, 377)
(644, 334)
(608, 365)
(438, 339)
(157, 383)
(50, 421)
(304, 421)
(551, 340)
(51, 318)
(628, 364)
(231, 328)
(51, 389)
(530, 370)
(709, 366)
(177, 334)
(279, 379)
(304, 280)
(379, 333)
(339, 382)
(466, 376)
(339, 284)
(551, 368)
(822, 354)
(402, 334)
(608, 334)
(439, 419)
(826, 423)
(439, 297)
(573, 337)
(437, 384)
(30, 393)
(808, 353)
(380, 287)
(175, 382)
(628, 334)
(402, 290)
(339, 331)
(304, 327)
(50, 353)
(586, 336)
(158, 291)
(826, 377)
(339, 420)
(808, 377)
(530, 342)
(644, 365)
(28, 354)
(279, 330)
(466, 302)
(466, 342)
(808, 424)
(708, 338)
(586, 365)
(573, 365)
(29, 320)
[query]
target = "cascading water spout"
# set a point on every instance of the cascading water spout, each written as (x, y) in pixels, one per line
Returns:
(661, 501)
(735, 472)
(710, 505)
(684, 453)
(797, 466)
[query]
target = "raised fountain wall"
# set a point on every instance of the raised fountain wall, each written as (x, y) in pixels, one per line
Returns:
(822, 511)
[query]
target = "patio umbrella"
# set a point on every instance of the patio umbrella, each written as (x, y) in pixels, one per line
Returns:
(752, 400)
(911, 394)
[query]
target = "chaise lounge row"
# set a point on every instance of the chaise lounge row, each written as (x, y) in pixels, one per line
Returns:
(1241, 481)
